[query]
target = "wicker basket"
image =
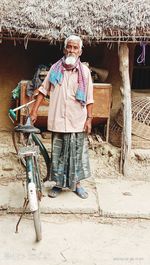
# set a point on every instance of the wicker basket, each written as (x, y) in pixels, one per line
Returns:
(138, 142)
(140, 117)
(115, 134)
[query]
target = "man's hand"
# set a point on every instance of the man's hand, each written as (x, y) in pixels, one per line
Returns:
(33, 116)
(36, 105)
(88, 125)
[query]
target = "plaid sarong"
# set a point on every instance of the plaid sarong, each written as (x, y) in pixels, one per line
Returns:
(70, 159)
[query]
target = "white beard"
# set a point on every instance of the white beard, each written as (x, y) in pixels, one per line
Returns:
(70, 60)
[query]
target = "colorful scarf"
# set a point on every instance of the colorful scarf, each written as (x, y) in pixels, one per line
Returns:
(57, 73)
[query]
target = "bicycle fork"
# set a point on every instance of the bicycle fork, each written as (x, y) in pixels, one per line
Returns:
(31, 178)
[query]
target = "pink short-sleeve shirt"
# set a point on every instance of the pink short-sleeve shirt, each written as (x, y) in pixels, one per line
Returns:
(65, 113)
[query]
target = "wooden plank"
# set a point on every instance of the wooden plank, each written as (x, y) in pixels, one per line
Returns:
(99, 139)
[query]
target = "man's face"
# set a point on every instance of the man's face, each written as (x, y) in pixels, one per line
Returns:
(73, 49)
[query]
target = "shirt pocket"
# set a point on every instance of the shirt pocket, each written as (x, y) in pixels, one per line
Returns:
(75, 86)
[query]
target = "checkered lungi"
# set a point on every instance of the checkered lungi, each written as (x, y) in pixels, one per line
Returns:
(70, 159)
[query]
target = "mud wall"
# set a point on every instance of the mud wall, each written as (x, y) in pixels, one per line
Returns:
(18, 63)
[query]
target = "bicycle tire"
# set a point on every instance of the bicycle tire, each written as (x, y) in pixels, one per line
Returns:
(37, 225)
(18, 137)
(33, 194)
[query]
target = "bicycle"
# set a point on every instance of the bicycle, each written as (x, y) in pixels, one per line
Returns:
(29, 153)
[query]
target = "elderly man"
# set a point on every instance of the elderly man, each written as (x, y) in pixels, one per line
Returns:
(69, 118)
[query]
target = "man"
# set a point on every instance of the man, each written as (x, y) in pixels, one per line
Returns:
(69, 118)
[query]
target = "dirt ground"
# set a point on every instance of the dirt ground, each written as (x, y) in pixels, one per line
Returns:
(76, 239)
(104, 160)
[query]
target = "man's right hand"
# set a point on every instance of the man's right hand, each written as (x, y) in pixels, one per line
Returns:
(33, 113)
(33, 116)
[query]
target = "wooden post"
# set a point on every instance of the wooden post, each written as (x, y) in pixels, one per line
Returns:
(126, 104)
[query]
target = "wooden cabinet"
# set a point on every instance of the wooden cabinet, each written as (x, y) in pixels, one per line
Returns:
(101, 108)
(102, 105)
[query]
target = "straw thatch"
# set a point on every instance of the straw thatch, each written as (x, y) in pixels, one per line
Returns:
(94, 20)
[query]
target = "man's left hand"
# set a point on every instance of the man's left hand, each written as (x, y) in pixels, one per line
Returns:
(88, 126)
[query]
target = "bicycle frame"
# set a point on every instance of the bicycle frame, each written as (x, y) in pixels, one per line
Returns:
(30, 153)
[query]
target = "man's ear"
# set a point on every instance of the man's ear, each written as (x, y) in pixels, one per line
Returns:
(80, 52)
(64, 51)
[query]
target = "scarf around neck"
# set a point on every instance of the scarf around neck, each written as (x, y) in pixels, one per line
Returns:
(57, 74)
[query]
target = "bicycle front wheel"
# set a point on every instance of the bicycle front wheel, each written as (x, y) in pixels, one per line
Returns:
(34, 192)
(37, 224)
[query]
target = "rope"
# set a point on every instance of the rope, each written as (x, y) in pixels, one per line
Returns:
(141, 58)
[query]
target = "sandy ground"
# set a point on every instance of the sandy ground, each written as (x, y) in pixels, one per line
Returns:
(72, 240)
(104, 160)
(76, 239)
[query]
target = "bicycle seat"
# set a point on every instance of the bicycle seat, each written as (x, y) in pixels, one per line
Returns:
(26, 129)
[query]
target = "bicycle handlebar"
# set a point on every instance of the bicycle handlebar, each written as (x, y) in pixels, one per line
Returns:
(12, 113)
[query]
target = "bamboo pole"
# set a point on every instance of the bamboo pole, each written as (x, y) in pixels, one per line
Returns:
(126, 104)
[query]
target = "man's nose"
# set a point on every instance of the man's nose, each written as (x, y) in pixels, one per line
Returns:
(71, 49)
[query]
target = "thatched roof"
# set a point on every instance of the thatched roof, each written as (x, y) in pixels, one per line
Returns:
(94, 20)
